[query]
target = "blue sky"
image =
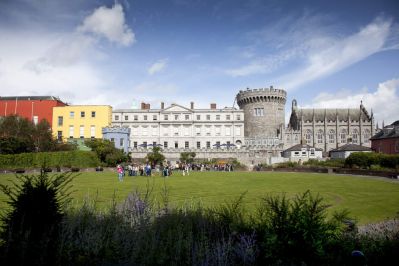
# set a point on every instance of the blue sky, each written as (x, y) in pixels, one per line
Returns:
(324, 53)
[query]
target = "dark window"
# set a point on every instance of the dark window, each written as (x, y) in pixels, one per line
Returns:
(208, 144)
(116, 117)
(126, 117)
(186, 144)
(145, 117)
(60, 120)
(135, 144)
(176, 144)
(165, 144)
(59, 135)
(198, 145)
(93, 114)
(82, 114)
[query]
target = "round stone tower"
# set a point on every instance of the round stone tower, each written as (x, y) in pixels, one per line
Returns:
(263, 111)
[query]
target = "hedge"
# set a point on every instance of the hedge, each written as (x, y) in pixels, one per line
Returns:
(368, 159)
(49, 159)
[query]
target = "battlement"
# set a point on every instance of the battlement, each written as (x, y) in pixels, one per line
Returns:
(267, 91)
(120, 130)
(261, 95)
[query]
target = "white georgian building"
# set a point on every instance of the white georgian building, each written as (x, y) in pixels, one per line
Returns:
(179, 128)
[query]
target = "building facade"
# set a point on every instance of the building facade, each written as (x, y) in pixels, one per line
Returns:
(256, 132)
(80, 121)
(302, 152)
(387, 140)
(329, 129)
(120, 136)
(178, 127)
(343, 152)
(34, 108)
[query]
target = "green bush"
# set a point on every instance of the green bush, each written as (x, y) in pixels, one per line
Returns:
(296, 231)
(327, 163)
(287, 165)
(368, 159)
(80, 159)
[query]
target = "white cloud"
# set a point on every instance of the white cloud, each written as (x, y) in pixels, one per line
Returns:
(384, 100)
(109, 23)
(158, 66)
(340, 53)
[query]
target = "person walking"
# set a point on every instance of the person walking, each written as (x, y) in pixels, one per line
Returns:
(120, 172)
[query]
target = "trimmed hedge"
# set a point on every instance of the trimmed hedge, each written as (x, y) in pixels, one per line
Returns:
(368, 159)
(79, 159)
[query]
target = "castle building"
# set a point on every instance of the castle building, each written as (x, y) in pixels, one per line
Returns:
(254, 133)
(329, 129)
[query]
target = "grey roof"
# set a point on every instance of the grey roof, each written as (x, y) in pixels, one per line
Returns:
(351, 147)
(332, 114)
(388, 132)
(29, 98)
(299, 147)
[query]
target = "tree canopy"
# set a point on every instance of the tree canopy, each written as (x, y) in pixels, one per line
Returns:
(155, 156)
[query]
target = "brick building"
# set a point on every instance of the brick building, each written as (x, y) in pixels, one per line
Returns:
(34, 108)
(387, 140)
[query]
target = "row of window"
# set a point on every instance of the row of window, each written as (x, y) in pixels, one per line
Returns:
(185, 131)
(175, 144)
(333, 121)
(81, 132)
(343, 135)
(176, 117)
(72, 115)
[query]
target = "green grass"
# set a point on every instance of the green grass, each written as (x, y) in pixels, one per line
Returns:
(367, 199)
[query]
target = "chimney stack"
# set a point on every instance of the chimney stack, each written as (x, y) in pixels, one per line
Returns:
(162, 105)
(213, 106)
(145, 106)
(192, 105)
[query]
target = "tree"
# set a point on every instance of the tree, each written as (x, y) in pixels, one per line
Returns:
(155, 157)
(43, 137)
(106, 151)
(187, 157)
(19, 135)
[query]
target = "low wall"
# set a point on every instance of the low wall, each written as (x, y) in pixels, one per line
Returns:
(346, 171)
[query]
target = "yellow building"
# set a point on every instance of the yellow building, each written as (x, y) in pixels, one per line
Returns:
(80, 121)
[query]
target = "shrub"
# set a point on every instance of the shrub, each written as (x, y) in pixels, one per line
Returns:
(327, 163)
(50, 159)
(295, 231)
(367, 159)
(30, 227)
(287, 165)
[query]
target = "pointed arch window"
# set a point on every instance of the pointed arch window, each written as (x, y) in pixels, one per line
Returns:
(331, 136)
(308, 136)
(355, 136)
(320, 136)
(343, 135)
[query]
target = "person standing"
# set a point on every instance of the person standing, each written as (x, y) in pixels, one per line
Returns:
(120, 172)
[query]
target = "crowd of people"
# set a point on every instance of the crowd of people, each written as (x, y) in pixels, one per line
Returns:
(167, 169)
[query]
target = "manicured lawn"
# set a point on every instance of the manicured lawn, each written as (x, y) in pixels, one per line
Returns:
(367, 199)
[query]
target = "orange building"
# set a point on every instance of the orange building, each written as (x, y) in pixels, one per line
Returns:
(34, 108)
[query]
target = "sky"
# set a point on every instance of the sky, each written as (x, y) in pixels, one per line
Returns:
(330, 54)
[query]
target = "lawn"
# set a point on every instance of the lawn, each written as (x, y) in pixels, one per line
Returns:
(368, 199)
